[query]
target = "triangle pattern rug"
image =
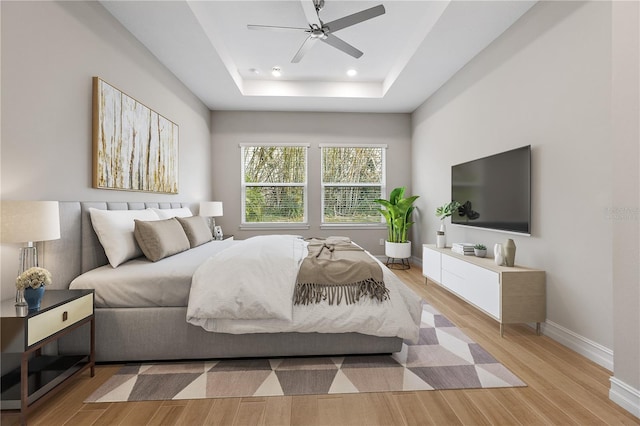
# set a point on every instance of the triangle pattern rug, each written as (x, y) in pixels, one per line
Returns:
(443, 358)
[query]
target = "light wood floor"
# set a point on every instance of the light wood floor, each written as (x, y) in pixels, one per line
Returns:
(563, 389)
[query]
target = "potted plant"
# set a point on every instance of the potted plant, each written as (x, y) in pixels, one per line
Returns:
(397, 212)
(480, 250)
(30, 285)
(444, 212)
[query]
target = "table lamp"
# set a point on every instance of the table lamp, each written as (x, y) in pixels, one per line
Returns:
(211, 209)
(28, 222)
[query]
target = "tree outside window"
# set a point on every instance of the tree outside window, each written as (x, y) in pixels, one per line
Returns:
(352, 177)
(274, 186)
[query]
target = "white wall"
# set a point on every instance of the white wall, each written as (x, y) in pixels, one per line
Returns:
(50, 52)
(232, 128)
(545, 82)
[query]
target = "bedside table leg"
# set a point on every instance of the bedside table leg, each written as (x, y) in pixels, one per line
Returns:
(92, 354)
(537, 329)
(501, 330)
(24, 387)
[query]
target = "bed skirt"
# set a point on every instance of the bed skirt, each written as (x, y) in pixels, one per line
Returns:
(148, 334)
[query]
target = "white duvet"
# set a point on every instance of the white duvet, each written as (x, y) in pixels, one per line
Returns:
(248, 288)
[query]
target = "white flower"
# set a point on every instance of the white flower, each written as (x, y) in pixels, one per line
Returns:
(34, 278)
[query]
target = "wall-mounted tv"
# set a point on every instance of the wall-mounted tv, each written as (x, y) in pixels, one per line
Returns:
(494, 192)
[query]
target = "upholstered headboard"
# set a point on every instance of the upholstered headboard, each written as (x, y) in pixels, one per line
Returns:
(78, 249)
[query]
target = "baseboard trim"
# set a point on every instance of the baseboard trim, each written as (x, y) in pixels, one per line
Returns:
(625, 396)
(594, 351)
(621, 393)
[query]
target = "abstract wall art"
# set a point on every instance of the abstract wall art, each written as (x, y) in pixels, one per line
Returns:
(134, 147)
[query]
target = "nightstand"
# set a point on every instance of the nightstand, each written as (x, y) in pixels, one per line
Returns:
(28, 374)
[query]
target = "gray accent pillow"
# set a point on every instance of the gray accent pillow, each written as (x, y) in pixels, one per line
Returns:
(160, 238)
(197, 230)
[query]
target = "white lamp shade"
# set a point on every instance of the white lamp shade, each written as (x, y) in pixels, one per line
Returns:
(210, 208)
(27, 221)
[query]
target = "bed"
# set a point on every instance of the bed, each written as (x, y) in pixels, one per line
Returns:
(154, 327)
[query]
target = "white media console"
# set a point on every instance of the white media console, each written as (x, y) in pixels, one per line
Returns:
(507, 294)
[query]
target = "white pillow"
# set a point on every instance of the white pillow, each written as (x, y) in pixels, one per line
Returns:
(169, 213)
(115, 232)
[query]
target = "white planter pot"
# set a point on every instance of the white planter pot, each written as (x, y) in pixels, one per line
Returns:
(397, 250)
(479, 253)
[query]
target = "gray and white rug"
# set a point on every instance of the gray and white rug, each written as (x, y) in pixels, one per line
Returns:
(444, 358)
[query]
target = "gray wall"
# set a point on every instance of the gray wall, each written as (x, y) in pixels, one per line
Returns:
(548, 82)
(50, 51)
(229, 129)
(626, 197)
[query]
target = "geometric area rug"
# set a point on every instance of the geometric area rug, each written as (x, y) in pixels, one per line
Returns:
(443, 358)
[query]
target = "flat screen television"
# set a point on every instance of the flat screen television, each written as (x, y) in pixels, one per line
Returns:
(494, 191)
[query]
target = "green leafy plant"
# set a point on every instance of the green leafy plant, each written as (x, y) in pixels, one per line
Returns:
(480, 247)
(397, 212)
(447, 210)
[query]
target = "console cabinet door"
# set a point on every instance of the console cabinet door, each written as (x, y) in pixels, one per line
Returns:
(473, 283)
(484, 290)
(431, 264)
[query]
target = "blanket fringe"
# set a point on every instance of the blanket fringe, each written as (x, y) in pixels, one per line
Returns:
(307, 293)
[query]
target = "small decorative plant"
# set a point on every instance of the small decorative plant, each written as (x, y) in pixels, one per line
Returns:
(397, 212)
(34, 278)
(447, 210)
(480, 250)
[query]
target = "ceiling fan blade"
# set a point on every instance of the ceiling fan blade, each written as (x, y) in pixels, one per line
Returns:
(355, 18)
(309, 8)
(338, 43)
(274, 28)
(306, 45)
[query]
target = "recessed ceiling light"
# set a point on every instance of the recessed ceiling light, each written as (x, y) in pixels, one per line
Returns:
(352, 72)
(254, 70)
(276, 72)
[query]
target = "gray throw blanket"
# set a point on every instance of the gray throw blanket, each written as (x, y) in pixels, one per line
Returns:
(334, 270)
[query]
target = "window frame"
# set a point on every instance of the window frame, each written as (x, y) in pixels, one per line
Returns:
(323, 185)
(304, 185)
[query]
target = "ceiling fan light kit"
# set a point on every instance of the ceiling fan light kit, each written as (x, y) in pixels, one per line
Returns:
(318, 30)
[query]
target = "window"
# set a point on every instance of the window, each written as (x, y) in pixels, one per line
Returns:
(352, 177)
(274, 184)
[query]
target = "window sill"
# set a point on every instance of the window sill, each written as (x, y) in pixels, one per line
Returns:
(367, 226)
(273, 226)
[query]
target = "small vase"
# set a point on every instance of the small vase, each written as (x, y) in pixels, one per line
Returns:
(498, 254)
(441, 237)
(33, 296)
(509, 252)
(20, 297)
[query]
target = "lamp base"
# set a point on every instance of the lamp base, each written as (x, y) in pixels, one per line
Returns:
(20, 300)
(28, 259)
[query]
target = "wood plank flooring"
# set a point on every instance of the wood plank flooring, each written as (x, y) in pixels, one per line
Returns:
(564, 388)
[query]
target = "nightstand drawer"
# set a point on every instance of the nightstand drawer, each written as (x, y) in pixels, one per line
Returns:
(48, 323)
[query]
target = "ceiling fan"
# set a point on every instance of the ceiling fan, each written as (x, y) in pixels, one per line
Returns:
(319, 30)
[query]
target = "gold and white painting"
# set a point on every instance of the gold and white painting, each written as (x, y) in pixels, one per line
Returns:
(134, 147)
